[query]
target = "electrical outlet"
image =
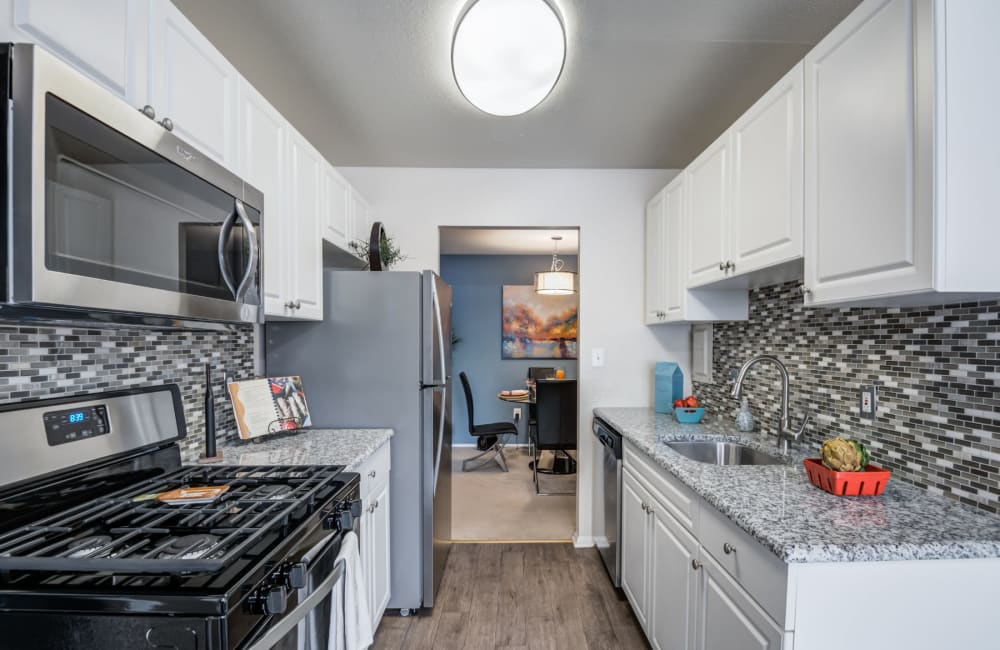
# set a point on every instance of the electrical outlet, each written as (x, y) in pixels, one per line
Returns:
(868, 402)
(517, 414)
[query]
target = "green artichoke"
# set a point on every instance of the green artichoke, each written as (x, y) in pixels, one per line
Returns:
(842, 455)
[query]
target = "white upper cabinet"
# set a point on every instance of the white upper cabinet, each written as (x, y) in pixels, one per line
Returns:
(305, 256)
(708, 195)
(766, 211)
(115, 58)
(336, 208)
(668, 300)
(656, 278)
(192, 84)
(361, 217)
(901, 175)
(263, 160)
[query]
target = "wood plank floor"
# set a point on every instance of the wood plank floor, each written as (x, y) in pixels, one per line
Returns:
(519, 597)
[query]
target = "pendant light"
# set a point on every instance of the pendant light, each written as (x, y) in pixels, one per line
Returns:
(507, 55)
(555, 282)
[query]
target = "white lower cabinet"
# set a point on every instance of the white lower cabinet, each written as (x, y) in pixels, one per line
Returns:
(727, 616)
(682, 596)
(374, 530)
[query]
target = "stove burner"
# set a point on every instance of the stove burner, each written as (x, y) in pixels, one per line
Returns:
(187, 547)
(273, 492)
(84, 546)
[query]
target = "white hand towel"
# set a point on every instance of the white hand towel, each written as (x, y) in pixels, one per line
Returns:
(350, 620)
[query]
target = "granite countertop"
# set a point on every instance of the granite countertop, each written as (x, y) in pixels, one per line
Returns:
(797, 521)
(348, 447)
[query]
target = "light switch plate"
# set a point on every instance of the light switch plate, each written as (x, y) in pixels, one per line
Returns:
(597, 357)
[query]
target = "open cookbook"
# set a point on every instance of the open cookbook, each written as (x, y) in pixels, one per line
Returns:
(270, 405)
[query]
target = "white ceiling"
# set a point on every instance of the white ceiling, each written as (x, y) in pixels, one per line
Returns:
(647, 83)
(507, 241)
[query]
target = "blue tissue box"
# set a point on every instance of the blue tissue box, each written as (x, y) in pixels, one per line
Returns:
(669, 386)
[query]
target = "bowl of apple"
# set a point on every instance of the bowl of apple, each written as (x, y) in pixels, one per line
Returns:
(688, 410)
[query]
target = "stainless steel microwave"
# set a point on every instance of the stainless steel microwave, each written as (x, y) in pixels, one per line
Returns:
(105, 211)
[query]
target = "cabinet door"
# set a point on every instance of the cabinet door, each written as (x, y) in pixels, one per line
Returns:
(336, 207)
(192, 84)
(654, 308)
(674, 584)
(360, 218)
(263, 146)
(306, 255)
(635, 525)
(116, 58)
(728, 617)
(707, 224)
(868, 223)
(673, 279)
(766, 215)
(378, 531)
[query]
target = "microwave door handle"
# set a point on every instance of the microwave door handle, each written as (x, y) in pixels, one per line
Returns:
(293, 618)
(227, 225)
(241, 212)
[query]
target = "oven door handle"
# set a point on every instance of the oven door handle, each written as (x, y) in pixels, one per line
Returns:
(241, 290)
(224, 229)
(311, 602)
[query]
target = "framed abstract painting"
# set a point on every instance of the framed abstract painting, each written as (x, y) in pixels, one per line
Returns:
(537, 326)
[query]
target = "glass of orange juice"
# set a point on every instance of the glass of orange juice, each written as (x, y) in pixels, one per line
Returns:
(560, 374)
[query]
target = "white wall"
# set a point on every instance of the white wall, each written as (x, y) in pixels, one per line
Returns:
(608, 206)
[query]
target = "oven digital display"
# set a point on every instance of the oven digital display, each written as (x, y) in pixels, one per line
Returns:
(71, 425)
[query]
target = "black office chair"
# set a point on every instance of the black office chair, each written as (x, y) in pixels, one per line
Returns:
(556, 428)
(535, 373)
(492, 433)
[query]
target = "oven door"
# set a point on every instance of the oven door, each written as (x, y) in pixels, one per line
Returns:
(309, 622)
(110, 212)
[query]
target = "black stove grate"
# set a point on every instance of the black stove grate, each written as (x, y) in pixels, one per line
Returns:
(126, 533)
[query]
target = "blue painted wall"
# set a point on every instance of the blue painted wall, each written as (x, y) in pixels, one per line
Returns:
(476, 281)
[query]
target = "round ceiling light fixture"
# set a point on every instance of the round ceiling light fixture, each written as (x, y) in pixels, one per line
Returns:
(507, 55)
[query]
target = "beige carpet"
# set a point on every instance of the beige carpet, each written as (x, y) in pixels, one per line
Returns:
(491, 505)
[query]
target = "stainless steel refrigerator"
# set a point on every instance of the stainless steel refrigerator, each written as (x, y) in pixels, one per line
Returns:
(381, 357)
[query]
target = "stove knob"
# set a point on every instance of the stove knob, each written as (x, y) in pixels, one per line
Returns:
(295, 576)
(270, 601)
(355, 506)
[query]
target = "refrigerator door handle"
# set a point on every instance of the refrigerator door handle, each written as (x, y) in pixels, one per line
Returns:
(439, 334)
(440, 438)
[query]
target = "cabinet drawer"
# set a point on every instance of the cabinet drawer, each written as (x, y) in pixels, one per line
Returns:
(375, 471)
(754, 567)
(675, 496)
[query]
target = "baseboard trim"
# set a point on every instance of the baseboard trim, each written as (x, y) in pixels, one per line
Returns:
(583, 541)
(511, 541)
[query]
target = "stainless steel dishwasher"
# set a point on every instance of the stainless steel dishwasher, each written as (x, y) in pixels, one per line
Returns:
(611, 476)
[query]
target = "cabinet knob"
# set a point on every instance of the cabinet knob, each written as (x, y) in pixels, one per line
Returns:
(375, 507)
(370, 509)
(167, 123)
(722, 266)
(730, 266)
(148, 111)
(728, 548)
(298, 304)
(804, 290)
(645, 508)
(371, 474)
(695, 564)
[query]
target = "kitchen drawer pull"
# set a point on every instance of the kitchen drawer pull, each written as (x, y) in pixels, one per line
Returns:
(728, 548)
(695, 564)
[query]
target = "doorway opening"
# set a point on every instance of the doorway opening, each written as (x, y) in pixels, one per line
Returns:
(518, 350)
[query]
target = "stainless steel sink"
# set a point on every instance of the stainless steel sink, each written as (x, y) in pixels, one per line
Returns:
(723, 453)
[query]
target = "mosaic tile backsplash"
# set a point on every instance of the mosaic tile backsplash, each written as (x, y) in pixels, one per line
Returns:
(938, 419)
(38, 362)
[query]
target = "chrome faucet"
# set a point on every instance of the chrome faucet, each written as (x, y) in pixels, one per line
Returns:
(785, 435)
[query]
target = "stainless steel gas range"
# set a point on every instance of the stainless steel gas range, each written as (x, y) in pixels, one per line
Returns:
(92, 557)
